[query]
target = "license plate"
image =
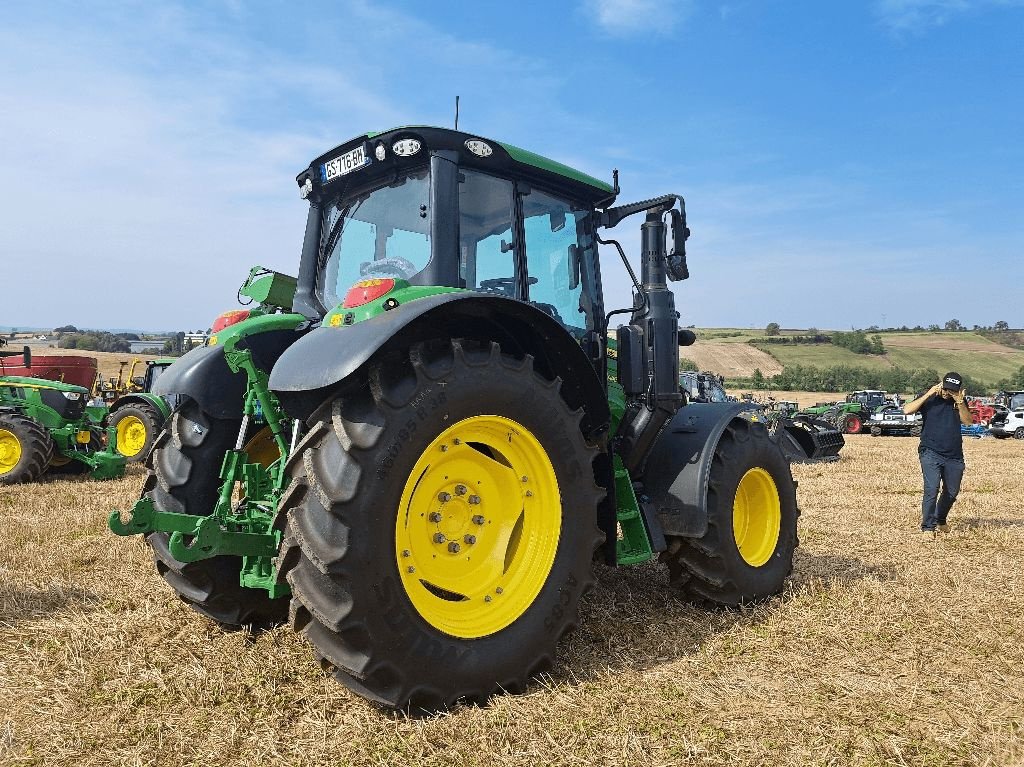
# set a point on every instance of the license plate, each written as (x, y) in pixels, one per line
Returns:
(345, 163)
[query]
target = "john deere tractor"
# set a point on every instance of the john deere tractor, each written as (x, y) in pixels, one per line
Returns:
(426, 440)
(44, 427)
(134, 411)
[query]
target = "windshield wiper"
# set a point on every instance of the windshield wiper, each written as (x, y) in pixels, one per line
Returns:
(336, 231)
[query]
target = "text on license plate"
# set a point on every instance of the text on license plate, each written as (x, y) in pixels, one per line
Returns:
(346, 163)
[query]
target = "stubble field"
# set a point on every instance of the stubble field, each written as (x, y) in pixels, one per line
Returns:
(884, 649)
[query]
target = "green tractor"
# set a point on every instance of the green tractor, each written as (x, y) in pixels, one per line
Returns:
(135, 413)
(851, 416)
(44, 427)
(426, 440)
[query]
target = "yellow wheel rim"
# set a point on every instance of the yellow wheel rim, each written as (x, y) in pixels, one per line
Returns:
(10, 451)
(756, 517)
(262, 448)
(131, 436)
(478, 526)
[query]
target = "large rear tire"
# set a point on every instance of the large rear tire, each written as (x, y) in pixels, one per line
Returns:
(137, 428)
(25, 449)
(746, 553)
(441, 524)
(184, 477)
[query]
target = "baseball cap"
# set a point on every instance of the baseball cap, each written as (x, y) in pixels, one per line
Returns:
(953, 381)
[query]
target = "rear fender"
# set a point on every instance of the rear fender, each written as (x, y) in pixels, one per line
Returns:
(203, 373)
(315, 367)
(675, 478)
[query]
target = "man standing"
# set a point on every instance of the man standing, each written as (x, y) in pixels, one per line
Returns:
(943, 408)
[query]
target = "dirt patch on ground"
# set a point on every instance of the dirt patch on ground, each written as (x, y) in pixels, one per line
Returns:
(731, 360)
(947, 343)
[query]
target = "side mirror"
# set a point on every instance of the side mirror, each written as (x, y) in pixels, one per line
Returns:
(675, 249)
(575, 266)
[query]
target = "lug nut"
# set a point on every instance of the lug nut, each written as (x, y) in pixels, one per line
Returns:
(499, 590)
(444, 448)
(457, 441)
(529, 493)
(439, 538)
(525, 478)
(460, 490)
(435, 516)
(406, 553)
(474, 499)
(478, 519)
(487, 598)
(454, 547)
(470, 539)
(412, 569)
(444, 497)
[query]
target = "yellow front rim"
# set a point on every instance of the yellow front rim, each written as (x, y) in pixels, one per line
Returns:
(478, 526)
(131, 436)
(756, 516)
(10, 451)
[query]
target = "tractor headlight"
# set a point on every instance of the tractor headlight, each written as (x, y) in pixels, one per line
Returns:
(72, 395)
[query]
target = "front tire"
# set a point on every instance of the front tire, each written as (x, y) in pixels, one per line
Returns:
(184, 477)
(441, 524)
(25, 449)
(746, 553)
(137, 428)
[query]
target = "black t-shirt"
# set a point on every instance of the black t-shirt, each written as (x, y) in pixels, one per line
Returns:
(941, 428)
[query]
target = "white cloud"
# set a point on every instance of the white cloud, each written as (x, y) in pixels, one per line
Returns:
(917, 16)
(627, 18)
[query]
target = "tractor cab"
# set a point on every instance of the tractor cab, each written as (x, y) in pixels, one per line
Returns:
(435, 207)
(869, 399)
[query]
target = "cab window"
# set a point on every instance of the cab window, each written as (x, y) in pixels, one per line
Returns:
(557, 252)
(486, 255)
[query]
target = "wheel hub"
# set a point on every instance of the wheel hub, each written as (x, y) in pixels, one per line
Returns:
(10, 451)
(478, 526)
(756, 516)
(131, 435)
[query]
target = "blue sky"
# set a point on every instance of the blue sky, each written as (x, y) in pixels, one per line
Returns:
(844, 163)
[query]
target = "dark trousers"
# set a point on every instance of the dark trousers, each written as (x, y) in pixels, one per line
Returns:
(935, 468)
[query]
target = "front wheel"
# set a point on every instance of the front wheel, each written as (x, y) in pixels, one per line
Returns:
(441, 527)
(1019, 433)
(747, 550)
(137, 426)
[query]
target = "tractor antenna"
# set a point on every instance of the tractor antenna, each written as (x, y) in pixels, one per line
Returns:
(456, 113)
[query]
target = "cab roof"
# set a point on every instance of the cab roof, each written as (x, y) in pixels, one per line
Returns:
(496, 156)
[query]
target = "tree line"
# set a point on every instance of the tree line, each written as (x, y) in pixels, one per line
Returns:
(853, 378)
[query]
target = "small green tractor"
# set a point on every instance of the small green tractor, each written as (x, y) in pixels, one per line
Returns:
(417, 450)
(136, 414)
(44, 427)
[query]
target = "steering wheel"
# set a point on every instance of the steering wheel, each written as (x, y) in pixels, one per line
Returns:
(395, 266)
(506, 285)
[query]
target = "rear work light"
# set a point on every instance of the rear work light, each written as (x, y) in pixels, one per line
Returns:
(229, 318)
(365, 291)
